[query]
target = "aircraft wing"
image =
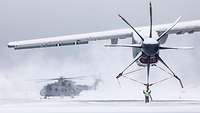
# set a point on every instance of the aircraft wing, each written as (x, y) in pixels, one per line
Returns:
(180, 28)
(113, 35)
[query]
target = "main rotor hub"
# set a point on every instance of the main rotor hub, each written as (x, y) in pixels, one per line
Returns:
(150, 46)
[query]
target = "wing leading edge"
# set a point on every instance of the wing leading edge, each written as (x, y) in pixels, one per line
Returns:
(113, 35)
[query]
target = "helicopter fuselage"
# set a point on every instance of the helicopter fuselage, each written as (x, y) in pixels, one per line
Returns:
(64, 87)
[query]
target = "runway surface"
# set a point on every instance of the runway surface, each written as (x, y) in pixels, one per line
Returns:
(97, 106)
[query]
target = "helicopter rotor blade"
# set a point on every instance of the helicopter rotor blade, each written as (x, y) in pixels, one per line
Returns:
(64, 78)
(78, 77)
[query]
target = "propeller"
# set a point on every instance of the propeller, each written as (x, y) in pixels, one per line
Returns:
(154, 43)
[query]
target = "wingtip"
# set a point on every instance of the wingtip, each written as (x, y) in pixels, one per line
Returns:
(11, 45)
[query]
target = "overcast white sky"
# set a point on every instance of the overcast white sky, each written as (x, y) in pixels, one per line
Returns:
(28, 19)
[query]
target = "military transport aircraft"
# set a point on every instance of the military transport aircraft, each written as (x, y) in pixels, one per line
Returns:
(146, 41)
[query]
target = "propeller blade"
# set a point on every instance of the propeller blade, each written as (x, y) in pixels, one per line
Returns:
(169, 29)
(148, 69)
(150, 6)
(170, 71)
(124, 45)
(162, 47)
(118, 76)
(131, 27)
(135, 59)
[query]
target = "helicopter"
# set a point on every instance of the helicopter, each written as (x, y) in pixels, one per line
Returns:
(65, 86)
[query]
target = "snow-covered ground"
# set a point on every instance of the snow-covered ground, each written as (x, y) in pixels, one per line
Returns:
(17, 83)
(75, 106)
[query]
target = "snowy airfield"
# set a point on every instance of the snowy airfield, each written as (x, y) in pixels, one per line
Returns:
(19, 93)
(17, 83)
(62, 105)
